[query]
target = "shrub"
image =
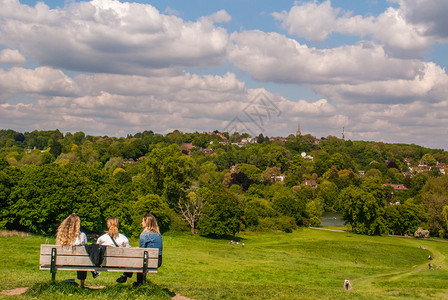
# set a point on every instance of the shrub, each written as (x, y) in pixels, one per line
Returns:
(421, 233)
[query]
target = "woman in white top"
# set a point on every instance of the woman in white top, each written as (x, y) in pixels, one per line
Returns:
(112, 237)
(115, 239)
(68, 234)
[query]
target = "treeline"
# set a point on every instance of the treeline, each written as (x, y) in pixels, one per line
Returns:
(217, 183)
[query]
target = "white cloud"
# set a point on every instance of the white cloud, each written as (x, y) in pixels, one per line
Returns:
(274, 57)
(316, 22)
(430, 83)
(112, 37)
(131, 75)
(310, 20)
(12, 57)
(41, 81)
(220, 17)
(106, 104)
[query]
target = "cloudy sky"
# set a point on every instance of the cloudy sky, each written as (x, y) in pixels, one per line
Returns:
(375, 68)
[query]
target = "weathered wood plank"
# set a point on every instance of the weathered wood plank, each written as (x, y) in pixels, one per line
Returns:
(99, 269)
(111, 251)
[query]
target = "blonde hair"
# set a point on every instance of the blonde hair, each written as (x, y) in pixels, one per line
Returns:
(112, 225)
(68, 231)
(150, 224)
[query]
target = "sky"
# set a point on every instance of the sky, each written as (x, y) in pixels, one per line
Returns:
(370, 70)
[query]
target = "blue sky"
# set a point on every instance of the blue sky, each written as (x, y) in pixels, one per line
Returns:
(105, 67)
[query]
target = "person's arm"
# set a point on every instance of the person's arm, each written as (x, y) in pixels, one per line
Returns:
(100, 240)
(143, 240)
(126, 242)
(81, 239)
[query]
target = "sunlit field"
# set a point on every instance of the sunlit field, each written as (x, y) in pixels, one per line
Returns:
(305, 264)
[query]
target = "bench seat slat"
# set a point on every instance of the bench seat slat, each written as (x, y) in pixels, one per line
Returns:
(99, 269)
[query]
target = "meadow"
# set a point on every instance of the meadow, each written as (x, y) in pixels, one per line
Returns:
(305, 264)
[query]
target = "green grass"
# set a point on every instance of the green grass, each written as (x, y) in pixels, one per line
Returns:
(305, 264)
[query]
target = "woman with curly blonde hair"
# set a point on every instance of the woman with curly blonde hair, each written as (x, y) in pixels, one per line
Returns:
(69, 234)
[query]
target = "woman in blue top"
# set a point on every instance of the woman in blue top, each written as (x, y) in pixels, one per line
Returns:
(150, 238)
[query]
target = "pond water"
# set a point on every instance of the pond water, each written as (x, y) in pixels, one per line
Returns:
(332, 219)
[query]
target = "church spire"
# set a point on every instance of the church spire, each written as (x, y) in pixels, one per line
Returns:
(298, 133)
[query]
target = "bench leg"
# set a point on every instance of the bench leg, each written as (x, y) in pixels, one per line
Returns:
(145, 265)
(53, 264)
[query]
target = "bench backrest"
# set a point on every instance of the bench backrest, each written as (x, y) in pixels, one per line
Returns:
(115, 259)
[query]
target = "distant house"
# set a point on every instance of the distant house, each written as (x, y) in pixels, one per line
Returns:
(188, 146)
(208, 151)
(311, 183)
(442, 168)
(279, 178)
(408, 174)
(248, 140)
(361, 172)
(128, 161)
(307, 156)
(397, 187)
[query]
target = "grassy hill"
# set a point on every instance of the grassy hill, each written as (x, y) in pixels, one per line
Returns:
(305, 264)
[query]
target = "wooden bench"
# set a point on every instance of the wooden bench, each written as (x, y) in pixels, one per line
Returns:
(75, 258)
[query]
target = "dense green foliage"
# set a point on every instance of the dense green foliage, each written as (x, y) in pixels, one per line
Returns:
(270, 185)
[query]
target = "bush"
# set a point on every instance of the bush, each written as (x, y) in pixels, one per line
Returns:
(285, 224)
(421, 233)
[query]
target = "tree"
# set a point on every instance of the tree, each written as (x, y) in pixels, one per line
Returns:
(405, 218)
(328, 192)
(269, 173)
(154, 205)
(435, 198)
(314, 212)
(222, 215)
(45, 195)
(55, 147)
(191, 208)
(252, 172)
(165, 172)
(78, 137)
(3, 163)
(428, 159)
(363, 211)
(19, 137)
(240, 179)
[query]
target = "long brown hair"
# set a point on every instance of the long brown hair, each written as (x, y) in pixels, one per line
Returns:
(68, 231)
(112, 225)
(150, 224)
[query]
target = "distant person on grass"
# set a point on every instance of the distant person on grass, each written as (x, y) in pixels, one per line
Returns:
(68, 234)
(149, 238)
(347, 284)
(115, 239)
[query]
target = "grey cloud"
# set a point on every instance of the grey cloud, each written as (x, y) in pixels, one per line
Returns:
(430, 13)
